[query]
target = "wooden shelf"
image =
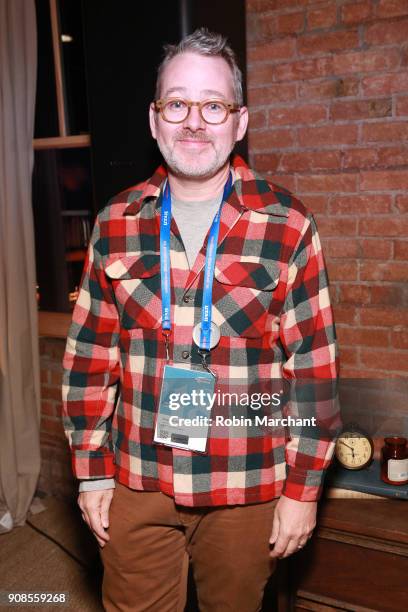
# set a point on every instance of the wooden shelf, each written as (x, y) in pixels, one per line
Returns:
(53, 324)
(62, 142)
(77, 255)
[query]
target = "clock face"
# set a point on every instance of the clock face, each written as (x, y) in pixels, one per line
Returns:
(354, 451)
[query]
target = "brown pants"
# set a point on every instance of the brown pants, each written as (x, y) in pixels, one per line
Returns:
(151, 541)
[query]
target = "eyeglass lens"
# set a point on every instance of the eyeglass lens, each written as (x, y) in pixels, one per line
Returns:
(211, 111)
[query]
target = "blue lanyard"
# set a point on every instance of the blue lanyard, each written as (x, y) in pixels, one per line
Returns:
(165, 221)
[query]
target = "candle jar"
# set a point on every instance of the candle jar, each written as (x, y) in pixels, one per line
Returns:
(394, 461)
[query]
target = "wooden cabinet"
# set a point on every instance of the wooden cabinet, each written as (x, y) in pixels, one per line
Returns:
(357, 559)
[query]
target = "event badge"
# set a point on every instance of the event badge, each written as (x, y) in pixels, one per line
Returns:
(184, 412)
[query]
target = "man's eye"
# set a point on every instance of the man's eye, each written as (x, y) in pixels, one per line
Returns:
(176, 105)
(214, 107)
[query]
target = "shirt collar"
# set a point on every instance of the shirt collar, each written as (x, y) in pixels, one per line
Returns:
(250, 191)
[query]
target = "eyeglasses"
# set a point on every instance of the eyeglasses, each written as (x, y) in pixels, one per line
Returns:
(176, 110)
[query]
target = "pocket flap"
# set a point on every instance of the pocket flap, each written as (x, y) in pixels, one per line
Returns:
(143, 265)
(247, 271)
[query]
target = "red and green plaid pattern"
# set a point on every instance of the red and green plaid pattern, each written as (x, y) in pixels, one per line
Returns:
(271, 303)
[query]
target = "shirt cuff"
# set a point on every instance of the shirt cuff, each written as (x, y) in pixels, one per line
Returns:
(97, 485)
(304, 485)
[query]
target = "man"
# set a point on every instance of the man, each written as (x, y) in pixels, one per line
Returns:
(240, 502)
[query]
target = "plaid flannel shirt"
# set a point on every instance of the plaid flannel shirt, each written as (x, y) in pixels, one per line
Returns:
(271, 303)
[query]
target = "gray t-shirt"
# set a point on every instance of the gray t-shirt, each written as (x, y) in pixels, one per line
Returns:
(194, 220)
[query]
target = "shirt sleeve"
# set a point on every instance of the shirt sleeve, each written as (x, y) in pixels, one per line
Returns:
(308, 337)
(91, 370)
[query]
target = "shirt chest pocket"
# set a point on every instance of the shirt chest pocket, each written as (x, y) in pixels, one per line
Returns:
(242, 294)
(136, 283)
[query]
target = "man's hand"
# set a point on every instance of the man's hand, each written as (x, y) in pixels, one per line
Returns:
(293, 525)
(95, 512)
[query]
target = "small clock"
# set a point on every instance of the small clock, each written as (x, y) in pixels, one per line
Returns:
(354, 448)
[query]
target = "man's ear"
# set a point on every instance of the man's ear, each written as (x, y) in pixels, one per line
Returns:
(152, 120)
(242, 123)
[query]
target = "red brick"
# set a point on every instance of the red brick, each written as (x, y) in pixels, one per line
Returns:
(387, 294)
(282, 48)
(44, 376)
(384, 317)
(384, 181)
(382, 33)
(399, 339)
(353, 372)
(307, 160)
(356, 12)
(51, 393)
(342, 270)
(266, 162)
(328, 135)
(388, 226)
(271, 139)
(364, 337)
(337, 226)
(384, 271)
(345, 314)
(260, 74)
(302, 113)
(349, 356)
(385, 131)
(257, 119)
(360, 204)
(361, 109)
(337, 88)
(366, 61)
(48, 439)
(322, 17)
(311, 44)
(402, 105)
(315, 203)
(384, 84)
(52, 426)
(392, 156)
(262, 27)
(395, 360)
(327, 183)
(56, 378)
(401, 249)
(354, 294)
(261, 5)
(47, 408)
(401, 203)
(303, 69)
(290, 23)
(262, 96)
(283, 180)
(344, 248)
(376, 248)
(360, 158)
(392, 8)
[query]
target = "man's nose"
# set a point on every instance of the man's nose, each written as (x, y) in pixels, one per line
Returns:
(194, 120)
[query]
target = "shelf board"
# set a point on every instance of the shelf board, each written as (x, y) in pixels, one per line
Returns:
(77, 255)
(53, 324)
(62, 142)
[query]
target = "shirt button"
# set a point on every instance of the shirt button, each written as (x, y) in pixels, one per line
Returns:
(185, 354)
(186, 299)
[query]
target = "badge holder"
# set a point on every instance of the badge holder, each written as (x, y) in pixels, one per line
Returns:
(187, 393)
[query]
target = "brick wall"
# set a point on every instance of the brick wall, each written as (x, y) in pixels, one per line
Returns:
(56, 475)
(328, 97)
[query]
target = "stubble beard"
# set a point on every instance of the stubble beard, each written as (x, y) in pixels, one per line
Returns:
(194, 167)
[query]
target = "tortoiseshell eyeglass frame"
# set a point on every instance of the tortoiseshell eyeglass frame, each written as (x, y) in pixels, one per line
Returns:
(230, 108)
